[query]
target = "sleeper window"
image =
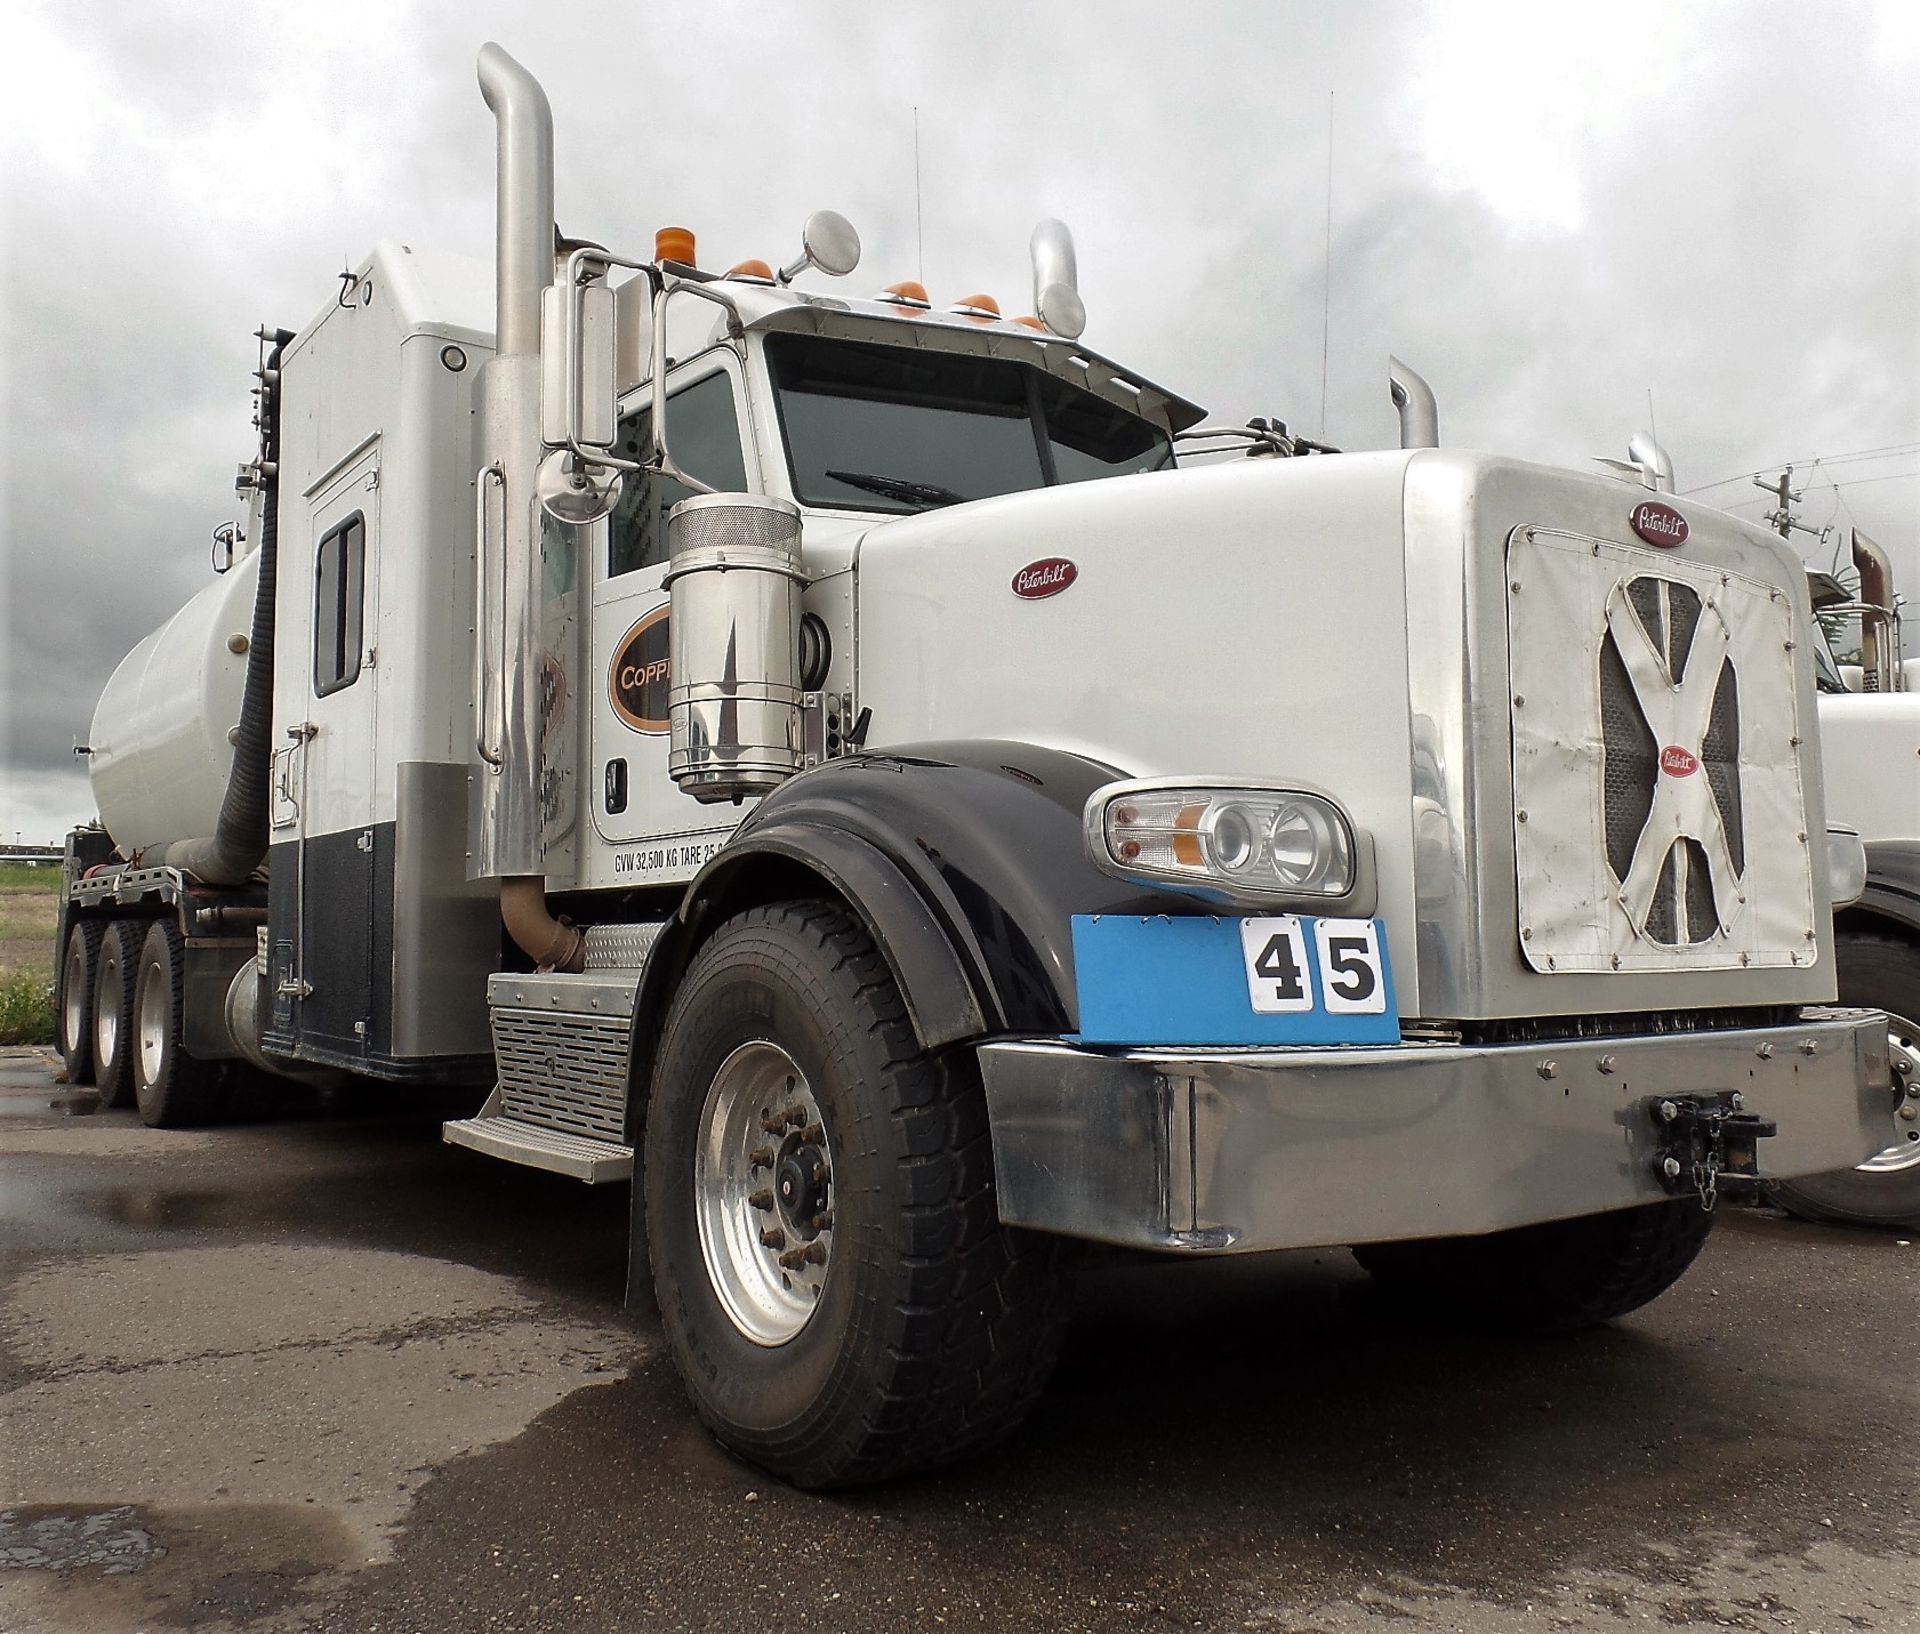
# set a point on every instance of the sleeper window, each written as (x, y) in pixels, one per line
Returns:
(339, 575)
(703, 436)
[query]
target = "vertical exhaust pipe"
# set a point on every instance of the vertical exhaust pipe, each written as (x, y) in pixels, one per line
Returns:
(523, 242)
(1879, 651)
(1644, 451)
(508, 841)
(1413, 401)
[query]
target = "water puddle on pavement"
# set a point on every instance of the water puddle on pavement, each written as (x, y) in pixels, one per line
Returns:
(58, 1540)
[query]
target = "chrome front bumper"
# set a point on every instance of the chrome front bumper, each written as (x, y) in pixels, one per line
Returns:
(1215, 1151)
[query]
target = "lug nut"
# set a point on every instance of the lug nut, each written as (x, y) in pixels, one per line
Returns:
(813, 1135)
(761, 1157)
(793, 1259)
(1548, 1069)
(761, 1200)
(774, 1237)
(816, 1253)
(823, 1222)
(1908, 1112)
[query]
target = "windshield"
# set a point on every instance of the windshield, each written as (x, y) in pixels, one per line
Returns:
(1826, 672)
(886, 428)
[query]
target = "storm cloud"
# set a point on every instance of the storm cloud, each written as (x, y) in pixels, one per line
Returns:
(1550, 211)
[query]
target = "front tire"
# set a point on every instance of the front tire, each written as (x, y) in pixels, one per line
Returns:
(172, 1089)
(1552, 1278)
(79, 972)
(113, 1046)
(1880, 973)
(837, 1289)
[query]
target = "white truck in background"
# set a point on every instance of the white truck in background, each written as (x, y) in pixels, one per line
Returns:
(845, 767)
(1870, 744)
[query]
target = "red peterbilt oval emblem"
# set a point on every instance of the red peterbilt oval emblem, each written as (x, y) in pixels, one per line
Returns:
(1047, 578)
(1659, 524)
(1678, 762)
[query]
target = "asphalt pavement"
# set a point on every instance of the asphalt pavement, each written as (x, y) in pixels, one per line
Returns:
(320, 1371)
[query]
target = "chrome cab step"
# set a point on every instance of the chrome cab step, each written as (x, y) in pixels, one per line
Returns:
(563, 1049)
(594, 1161)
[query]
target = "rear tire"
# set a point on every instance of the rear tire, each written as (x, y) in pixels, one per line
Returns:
(908, 1330)
(113, 1046)
(171, 1088)
(79, 971)
(1552, 1278)
(1881, 973)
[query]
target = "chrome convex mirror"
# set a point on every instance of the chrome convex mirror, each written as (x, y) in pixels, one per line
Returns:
(828, 243)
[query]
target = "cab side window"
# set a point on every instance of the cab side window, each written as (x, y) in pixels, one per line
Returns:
(340, 565)
(703, 435)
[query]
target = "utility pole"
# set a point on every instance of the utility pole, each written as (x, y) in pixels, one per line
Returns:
(1783, 518)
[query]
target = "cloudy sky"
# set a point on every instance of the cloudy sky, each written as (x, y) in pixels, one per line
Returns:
(1550, 210)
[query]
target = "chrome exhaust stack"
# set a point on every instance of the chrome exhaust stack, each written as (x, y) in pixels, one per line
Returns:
(507, 826)
(1880, 669)
(1413, 401)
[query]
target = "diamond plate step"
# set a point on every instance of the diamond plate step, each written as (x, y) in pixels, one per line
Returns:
(593, 1161)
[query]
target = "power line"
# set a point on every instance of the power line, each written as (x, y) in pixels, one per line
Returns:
(1846, 458)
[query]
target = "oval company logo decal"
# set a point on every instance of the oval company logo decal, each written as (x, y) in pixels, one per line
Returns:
(1044, 578)
(637, 680)
(1678, 762)
(1659, 524)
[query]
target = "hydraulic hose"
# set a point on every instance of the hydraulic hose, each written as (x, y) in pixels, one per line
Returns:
(239, 840)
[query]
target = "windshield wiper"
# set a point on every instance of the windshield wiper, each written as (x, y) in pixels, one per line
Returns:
(922, 493)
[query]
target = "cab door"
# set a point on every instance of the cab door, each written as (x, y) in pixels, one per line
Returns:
(658, 834)
(335, 905)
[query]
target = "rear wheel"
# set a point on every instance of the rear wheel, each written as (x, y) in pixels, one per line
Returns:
(1551, 1278)
(1882, 973)
(78, 973)
(837, 1289)
(171, 1087)
(113, 1046)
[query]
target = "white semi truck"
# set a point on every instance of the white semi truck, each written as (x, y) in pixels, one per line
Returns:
(837, 762)
(1870, 743)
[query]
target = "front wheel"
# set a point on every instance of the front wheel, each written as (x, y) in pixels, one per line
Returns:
(837, 1289)
(1550, 1278)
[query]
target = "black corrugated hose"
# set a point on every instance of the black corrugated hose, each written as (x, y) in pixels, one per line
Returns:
(239, 841)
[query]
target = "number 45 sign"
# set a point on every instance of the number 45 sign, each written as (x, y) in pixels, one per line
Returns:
(1343, 964)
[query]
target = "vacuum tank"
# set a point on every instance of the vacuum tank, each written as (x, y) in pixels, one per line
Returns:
(161, 751)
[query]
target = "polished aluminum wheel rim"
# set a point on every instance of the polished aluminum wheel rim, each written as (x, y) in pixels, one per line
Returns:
(152, 1021)
(106, 1010)
(762, 1182)
(74, 1011)
(1903, 1056)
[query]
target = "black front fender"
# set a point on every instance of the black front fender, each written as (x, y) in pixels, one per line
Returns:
(967, 863)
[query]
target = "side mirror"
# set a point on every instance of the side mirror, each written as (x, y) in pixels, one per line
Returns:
(828, 243)
(578, 350)
(579, 345)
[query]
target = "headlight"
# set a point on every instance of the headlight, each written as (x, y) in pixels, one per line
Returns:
(1266, 844)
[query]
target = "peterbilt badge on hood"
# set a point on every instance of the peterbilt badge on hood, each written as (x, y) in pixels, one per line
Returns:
(1044, 578)
(1659, 524)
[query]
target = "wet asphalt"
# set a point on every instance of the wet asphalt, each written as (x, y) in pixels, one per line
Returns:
(318, 1371)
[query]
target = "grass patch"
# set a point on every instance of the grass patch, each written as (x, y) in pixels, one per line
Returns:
(26, 1013)
(24, 876)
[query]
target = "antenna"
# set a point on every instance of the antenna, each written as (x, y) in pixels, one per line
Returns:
(1326, 274)
(1653, 425)
(919, 237)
